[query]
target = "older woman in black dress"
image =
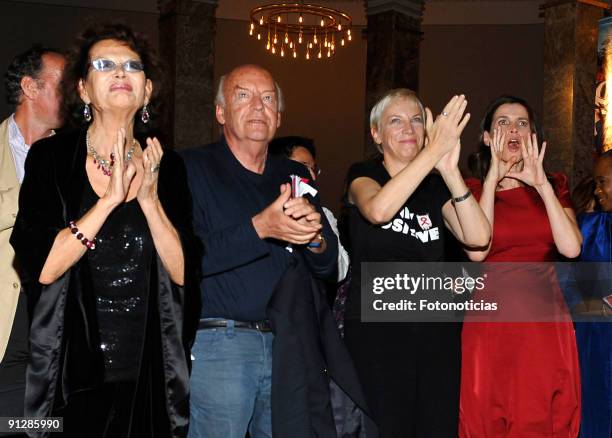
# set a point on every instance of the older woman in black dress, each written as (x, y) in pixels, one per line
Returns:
(104, 237)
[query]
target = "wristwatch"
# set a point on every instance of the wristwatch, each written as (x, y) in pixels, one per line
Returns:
(317, 242)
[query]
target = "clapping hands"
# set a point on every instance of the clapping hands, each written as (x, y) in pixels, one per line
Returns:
(151, 159)
(123, 173)
(293, 220)
(443, 134)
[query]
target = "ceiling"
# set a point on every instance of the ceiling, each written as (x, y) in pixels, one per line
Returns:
(437, 12)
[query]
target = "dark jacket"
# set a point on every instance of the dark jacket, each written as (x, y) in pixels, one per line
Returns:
(65, 352)
(307, 353)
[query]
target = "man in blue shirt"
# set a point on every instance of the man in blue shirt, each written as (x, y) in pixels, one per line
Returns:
(251, 227)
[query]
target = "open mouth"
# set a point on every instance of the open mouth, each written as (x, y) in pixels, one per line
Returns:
(514, 145)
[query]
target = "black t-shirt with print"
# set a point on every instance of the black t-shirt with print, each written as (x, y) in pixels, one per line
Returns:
(416, 232)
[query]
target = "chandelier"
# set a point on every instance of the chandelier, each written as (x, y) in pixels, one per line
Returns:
(297, 29)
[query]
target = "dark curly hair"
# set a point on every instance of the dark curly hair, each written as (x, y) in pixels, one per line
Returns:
(28, 63)
(77, 68)
(479, 161)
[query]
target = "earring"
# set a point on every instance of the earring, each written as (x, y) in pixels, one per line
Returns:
(87, 113)
(144, 115)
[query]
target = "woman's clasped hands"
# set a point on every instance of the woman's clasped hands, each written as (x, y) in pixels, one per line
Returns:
(126, 170)
(123, 172)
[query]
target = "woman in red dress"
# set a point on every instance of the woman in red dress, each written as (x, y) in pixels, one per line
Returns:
(521, 379)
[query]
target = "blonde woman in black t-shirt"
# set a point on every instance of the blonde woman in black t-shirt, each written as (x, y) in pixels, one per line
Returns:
(397, 207)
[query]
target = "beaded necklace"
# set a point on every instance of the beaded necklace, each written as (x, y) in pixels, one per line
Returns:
(106, 166)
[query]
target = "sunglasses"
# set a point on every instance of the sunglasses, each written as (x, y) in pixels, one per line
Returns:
(107, 65)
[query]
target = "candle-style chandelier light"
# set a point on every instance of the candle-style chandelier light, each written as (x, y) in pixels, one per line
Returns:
(295, 30)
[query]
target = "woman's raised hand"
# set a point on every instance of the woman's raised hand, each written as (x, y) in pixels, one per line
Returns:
(151, 159)
(533, 162)
(498, 169)
(450, 161)
(443, 134)
(122, 175)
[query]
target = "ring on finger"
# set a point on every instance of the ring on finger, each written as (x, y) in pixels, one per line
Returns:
(155, 168)
(444, 113)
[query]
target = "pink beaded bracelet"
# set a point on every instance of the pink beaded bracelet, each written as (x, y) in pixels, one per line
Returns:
(90, 244)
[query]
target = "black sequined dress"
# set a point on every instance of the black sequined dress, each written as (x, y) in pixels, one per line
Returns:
(119, 268)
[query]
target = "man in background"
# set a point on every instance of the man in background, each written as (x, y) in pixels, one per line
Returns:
(32, 87)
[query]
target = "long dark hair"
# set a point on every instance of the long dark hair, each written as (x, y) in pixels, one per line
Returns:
(479, 161)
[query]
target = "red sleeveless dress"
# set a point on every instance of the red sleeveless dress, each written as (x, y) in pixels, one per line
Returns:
(521, 379)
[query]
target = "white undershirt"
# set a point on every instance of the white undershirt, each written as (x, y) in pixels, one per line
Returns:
(343, 257)
(18, 147)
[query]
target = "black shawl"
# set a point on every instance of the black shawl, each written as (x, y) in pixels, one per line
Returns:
(307, 353)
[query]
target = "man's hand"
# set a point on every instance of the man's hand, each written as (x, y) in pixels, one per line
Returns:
(298, 224)
(302, 211)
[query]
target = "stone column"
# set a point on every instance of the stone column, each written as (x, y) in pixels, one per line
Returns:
(186, 42)
(570, 66)
(393, 36)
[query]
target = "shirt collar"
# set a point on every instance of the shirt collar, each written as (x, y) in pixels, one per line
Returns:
(15, 136)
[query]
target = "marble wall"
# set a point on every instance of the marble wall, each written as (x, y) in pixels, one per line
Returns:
(393, 41)
(187, 40)
(570, 64)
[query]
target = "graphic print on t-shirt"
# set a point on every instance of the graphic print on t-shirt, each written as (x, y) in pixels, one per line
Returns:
(415, 225)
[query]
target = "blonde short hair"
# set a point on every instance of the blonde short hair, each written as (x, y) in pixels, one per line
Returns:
(397, 93)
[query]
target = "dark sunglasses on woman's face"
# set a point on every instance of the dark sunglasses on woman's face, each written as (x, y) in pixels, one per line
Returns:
(107, 65)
